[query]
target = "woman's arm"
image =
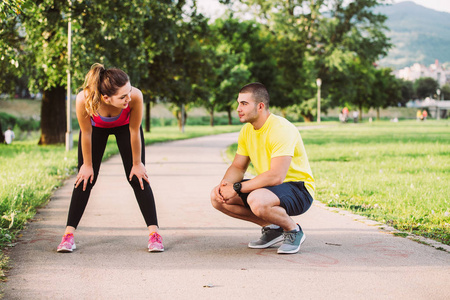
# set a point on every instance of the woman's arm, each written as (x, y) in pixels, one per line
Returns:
(136, 106)
(86, 171)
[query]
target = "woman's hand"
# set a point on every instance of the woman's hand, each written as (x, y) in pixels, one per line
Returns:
(85, 174)
(140, 172)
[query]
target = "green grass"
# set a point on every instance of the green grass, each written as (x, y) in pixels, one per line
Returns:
(395, 173)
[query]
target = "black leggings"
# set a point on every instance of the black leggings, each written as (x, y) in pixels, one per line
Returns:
(100, 136)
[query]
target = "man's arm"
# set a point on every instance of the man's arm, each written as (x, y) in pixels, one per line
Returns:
(234, 173)
(279, 167)
(237, 169)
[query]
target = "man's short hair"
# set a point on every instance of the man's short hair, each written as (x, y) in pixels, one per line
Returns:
(259, 92)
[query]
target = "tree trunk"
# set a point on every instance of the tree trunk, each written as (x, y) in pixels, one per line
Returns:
(181, 117)
(308, 118)
(53, 116)
(147, 116)
(378, 113)
(211, 117)
(230, 120)
(2, 136)
(180, 120)
(360, 114)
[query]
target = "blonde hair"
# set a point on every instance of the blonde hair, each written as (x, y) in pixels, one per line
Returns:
(100, 81)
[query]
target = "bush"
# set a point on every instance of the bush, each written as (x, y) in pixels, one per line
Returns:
(8, 120)
(192, 121)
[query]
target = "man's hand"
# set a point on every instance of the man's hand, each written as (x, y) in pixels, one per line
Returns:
(215, 194)
(226, 190)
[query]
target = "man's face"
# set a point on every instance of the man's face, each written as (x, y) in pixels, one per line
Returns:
(247, 109)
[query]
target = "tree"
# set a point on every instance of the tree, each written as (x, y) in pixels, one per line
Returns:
(231, 76)
(46, 47)
(445, 92)
(11, 48)
(386, 90)
(10, 8)
(2, 136)
(159, 32)
(103, 31)
(308, 109)
(161, 41)
(293, 23)
(349, 42)
(407, 91)
(187, 83)
(231, 46)
(325, 39)
(425, 87)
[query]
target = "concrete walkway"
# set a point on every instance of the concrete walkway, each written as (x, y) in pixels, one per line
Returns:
(206, 255)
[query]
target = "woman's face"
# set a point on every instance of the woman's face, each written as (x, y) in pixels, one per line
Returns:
(121, 98)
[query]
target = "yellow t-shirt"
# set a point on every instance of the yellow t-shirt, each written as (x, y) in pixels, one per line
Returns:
(277, 137)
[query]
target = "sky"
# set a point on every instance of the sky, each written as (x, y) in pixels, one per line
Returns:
(213, 8)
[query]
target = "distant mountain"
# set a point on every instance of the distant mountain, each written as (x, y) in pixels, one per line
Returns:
(419, 34)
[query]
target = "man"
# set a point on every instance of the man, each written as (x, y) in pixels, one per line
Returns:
(9, 136)
(284, 185)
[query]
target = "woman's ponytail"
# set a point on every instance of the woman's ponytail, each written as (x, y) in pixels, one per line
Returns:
(91, 88)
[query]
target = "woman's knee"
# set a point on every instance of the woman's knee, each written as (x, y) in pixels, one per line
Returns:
(89, 186)
(135, 184)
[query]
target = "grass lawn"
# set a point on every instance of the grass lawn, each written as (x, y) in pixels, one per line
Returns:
(395, 173)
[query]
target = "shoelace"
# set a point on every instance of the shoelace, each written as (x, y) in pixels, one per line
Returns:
(289, 236)
(155, 238)
(66, 238)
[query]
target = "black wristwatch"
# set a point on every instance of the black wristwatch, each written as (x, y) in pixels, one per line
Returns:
(237, 186)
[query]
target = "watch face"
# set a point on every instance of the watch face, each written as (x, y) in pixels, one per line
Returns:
(237, 186)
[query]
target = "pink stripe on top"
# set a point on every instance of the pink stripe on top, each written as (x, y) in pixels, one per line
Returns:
(109, 122)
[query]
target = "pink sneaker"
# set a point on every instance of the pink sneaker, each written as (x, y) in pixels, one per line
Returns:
(67, 243)
(155, 243)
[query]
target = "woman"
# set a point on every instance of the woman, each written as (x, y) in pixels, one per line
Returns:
(108, 104)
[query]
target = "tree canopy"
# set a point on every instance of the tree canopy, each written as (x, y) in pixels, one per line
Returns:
(174, 53)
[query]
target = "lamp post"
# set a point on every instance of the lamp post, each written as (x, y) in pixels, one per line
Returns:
(69, 136)
(319, 83)
(438, 111)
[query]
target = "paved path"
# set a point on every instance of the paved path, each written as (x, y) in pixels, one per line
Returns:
(206, 255)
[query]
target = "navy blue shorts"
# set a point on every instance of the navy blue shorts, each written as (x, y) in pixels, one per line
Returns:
(293, 195)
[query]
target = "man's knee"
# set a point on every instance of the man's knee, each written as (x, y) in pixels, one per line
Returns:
(255, 204)
(260, 202)
(216, 204)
